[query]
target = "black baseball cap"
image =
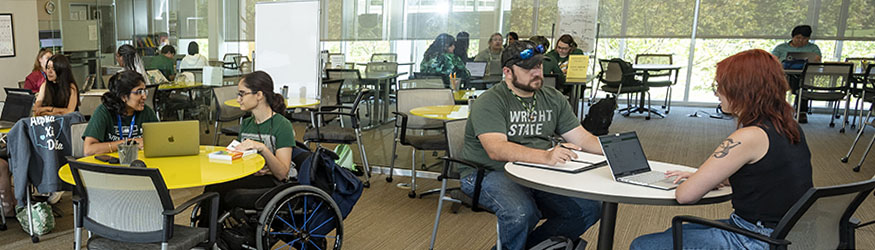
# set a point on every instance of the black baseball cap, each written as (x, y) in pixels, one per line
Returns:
(525, 54)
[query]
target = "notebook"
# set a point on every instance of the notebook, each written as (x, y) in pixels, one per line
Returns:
(162, 139)
(477, 69)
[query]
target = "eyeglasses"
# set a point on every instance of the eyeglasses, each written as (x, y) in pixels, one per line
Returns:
(241, 93)
(140, 92)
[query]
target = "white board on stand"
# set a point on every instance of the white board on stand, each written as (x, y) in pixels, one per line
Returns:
(287, 45)
(578, 18)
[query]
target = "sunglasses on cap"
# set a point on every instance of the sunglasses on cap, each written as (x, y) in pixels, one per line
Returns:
(529, 53)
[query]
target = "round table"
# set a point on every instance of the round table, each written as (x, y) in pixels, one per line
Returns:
(442, 112)
(598, 184)
(290, 102)
(463, 95)
(5, 130)
(190, 170)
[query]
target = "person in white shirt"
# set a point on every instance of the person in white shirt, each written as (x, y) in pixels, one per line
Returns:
(193, 60)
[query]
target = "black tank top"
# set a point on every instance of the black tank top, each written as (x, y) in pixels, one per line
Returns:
(765, 190)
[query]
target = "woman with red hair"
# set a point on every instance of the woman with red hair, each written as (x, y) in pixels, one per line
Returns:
(766, 160)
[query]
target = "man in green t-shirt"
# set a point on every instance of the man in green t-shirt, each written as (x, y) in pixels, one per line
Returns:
(515, 121)
(165, 62)
(801, 34)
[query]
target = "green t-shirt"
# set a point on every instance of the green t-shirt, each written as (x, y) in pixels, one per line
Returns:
(498, 110)
(276, 132)
(103, 125)
(781, 50)
(166, 65)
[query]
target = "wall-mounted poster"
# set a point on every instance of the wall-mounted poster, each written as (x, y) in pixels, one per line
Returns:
(7, 37)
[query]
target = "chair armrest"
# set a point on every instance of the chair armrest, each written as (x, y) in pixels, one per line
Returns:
(321, 108)
(677, 230)
(353, 117)
(481, 171)
(403, 125)
(185, 205)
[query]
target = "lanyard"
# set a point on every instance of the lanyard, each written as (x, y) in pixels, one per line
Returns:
(130, 129)
(529, 108)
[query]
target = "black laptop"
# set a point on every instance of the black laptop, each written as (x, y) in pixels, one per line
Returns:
(17, 106)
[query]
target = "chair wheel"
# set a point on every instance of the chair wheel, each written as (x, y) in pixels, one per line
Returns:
(663, 106)
(3, 227)
(647, 118)
(857, 169)
(412, 194)
(389, 179)
(842, 130)
(853, 126)
(34, 239)
(845, 159)
(666, 112)
(832, 125)
(366, 184)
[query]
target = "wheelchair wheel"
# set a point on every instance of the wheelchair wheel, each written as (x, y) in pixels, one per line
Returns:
(300, 217)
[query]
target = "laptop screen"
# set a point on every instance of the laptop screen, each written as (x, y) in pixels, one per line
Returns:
(624, 153)
(477, 69)
(17, 106)
(801, 56)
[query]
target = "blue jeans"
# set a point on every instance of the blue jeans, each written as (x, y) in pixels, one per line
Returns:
(703, 237)
(520, 208)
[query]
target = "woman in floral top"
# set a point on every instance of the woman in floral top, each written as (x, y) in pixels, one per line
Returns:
(440, 60)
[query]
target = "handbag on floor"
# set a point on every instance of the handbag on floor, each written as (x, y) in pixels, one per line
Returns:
(43, 220)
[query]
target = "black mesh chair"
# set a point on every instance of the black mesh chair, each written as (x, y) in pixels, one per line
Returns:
(131, 208)
(321, 132)
(821, 219)
(617, 82)
(330, 96)
(659, 79)
(826, 82)
(225, 113)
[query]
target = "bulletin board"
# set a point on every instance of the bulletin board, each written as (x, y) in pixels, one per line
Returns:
(7, 36)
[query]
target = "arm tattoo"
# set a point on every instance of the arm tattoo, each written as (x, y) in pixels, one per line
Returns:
(724, 148)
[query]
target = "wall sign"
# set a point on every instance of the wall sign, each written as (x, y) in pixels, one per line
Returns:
(7, 37)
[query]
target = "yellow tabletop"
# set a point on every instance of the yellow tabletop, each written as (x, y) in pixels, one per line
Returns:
(462, 95)
(189, 171)
(5, 130)
(442, 112)
(290, 103)
(179, 85)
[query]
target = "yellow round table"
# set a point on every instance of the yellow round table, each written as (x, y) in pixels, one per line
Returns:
(5, 130)
(290, 103)
(462, 95)
(188, 171)
(442, 112)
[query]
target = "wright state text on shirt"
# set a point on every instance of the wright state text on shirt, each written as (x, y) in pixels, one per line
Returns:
(523, 123)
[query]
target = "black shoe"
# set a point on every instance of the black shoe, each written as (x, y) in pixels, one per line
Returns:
(803, 118)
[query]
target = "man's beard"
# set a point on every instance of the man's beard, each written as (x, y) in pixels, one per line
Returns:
(535, 83)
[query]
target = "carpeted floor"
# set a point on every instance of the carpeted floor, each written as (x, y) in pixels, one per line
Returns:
(385, 218)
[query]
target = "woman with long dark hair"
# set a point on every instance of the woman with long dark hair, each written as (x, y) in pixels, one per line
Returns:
(440, 60)
(462, 43)
(60, 94)
(129, 59)
(266, 131)
(121, 115)
(37, 75)
(766, 160)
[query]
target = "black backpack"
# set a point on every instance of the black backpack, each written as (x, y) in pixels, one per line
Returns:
(600, 116)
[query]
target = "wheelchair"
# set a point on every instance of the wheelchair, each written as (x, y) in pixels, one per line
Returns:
(289, 216)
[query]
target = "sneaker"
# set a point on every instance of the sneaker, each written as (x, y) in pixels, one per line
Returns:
(54, 197)
(803, 118)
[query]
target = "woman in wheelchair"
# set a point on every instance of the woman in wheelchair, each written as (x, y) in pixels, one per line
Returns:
(120, 116)
(766, 159)
(266, 131)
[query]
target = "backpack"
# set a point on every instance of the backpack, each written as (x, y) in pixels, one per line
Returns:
(559, 243)
(321, 171)
(600, 116)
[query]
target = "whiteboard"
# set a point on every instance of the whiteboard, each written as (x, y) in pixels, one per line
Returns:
(578, 18)
(287, 45)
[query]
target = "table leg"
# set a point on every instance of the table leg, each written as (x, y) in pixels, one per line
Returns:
(606, 227)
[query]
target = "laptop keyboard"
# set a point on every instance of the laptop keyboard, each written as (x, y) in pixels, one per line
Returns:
(646, 178)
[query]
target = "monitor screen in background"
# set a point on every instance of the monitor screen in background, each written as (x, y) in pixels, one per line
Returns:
(624, 153)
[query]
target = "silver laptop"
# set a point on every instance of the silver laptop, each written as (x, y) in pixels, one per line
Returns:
(171, 138)
(477, 69)
(628, 163)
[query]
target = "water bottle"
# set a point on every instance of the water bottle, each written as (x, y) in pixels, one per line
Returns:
(285, 92)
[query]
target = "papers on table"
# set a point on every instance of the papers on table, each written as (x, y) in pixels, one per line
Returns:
(583, 163)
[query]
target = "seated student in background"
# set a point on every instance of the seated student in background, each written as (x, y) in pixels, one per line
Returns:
(515, 121)
(165, 62)
(60, 94)
(37, 76)
(512, 37)
(266, 131)
(550, 66)
(120, 116)
(799, 43)
(128, 58)
(462, 42)
(439, 59)
(766, 160)
(193, 60)
(565, 46)
(491, 55)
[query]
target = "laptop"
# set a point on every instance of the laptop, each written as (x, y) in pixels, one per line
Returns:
(628, 163)
(162, 139)
(808, 56)
(477, 69)
(17, 106)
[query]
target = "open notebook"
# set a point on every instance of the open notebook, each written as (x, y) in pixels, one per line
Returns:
(583, 163)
